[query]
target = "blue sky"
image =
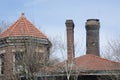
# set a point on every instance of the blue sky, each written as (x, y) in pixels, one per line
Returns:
(50, 15)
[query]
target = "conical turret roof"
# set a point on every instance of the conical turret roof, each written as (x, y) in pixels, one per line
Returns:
(22, 27)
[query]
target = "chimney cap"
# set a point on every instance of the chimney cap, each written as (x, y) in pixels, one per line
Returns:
(69, 21)
(93, 20)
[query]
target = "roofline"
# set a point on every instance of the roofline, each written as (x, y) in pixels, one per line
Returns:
(100, 58)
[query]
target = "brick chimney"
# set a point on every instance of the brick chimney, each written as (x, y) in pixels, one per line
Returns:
(70, 40)
(92, 36)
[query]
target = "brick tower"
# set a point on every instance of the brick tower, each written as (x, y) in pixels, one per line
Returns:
(22, 43)
(92, 36)
(70, 41)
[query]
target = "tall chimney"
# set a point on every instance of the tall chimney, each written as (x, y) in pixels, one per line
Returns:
(70, 40)
(92, 36)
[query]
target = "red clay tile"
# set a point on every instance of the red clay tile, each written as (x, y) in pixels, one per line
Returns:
(92, 62)
(22, 27)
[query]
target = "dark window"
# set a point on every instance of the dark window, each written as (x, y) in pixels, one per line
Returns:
(18, 61)
(18, 57)
(1, 64)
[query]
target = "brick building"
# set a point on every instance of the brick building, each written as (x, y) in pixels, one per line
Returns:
(90, 66)
(21, 38)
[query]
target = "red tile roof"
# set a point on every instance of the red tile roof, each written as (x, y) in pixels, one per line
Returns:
(85, 65)
(92, 62)
(22, 27)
